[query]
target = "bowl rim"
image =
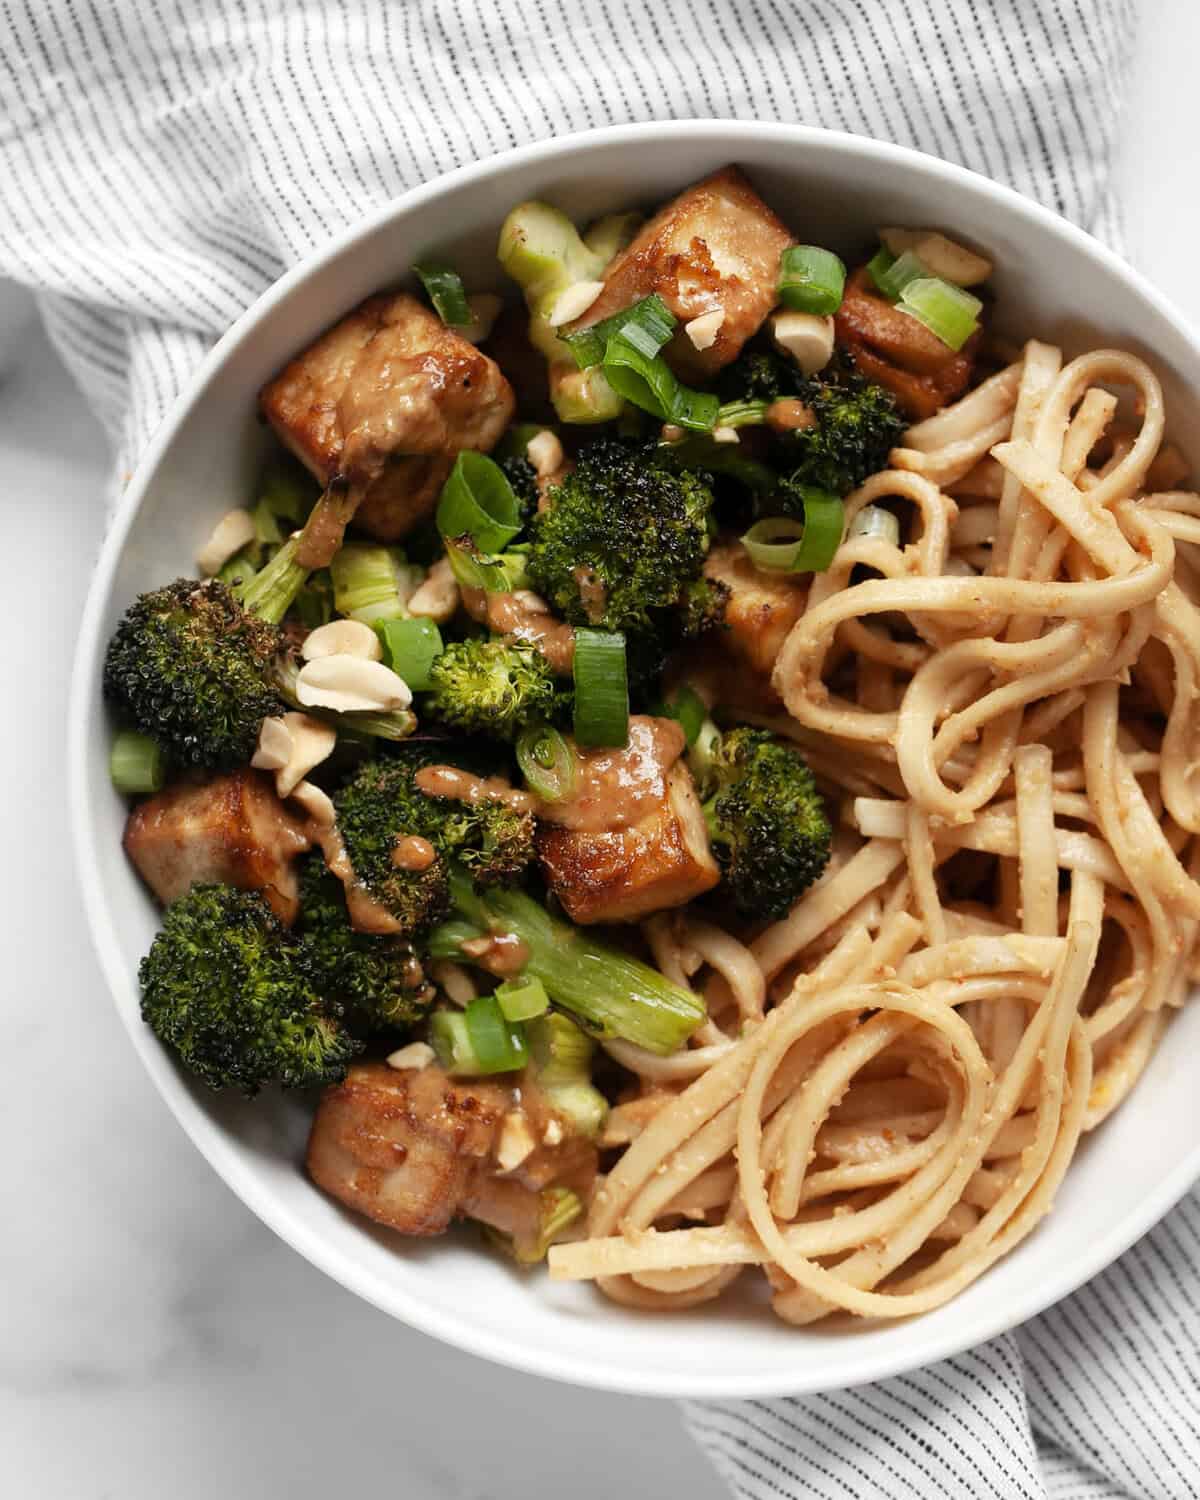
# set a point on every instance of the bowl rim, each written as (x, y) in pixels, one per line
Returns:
(222, 1154)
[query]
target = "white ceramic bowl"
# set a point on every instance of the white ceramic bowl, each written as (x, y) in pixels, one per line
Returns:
(1051, 280)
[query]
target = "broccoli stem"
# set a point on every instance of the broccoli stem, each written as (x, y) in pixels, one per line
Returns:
(612, 993)
(743, 414)
(269, 594)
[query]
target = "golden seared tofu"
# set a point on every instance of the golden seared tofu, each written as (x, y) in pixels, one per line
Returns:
(383, 402)
(416, 1149)
(631, 839)
(229, 830)
(712, 250)
(760, 610)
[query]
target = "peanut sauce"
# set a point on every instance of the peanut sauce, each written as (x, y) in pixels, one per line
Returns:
(500, 953)
(616, 788)
(592, 593)
(366, 914)
(789, 415)
(523, 617)
(463, 786)
(413, 853)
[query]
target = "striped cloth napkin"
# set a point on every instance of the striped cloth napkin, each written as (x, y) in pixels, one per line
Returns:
(163, 164)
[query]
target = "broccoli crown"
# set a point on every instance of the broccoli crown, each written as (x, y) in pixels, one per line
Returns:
(191, 668)
(521, 474)
(383, 803)
(377, 980)
(857, 423)
(493, 687)
(235, 996)
(623, 537)
(767, 822)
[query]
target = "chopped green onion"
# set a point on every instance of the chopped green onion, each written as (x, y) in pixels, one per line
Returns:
(472, 570)
(314, 602)
(782, 544)
(950, 313)
(522, 999)
(560, 1207)
(136, 763)
(906, 269)
(561, 1050)
(649, 323)
(499, 1044)
(477, 500)
(444, 288)
(601, 688)
(372, 582)
(811, 280)
(688, 709)
(743, 413)
(478, 1042)
(547, 762)
(874, 520)
(880, 264)
(410, 648)
(649, 382)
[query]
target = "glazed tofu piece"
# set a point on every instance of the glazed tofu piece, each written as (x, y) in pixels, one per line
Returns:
(760, 611)
(230, 830)
(631, 840)
(417, 1149)
(896, 351)
(714, 248)
(382, 403)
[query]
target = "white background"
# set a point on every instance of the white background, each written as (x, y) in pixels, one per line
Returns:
(155, 1339)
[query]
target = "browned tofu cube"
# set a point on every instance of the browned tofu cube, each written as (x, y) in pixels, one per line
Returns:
(416, 1149)
(714, 247)
(761, 608)
(383, 401)
(230, 830)
(631, 840)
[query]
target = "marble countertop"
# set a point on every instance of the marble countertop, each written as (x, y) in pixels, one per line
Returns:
(155, 1339)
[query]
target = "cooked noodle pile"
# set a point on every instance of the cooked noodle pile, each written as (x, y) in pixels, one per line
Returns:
(895, 1078)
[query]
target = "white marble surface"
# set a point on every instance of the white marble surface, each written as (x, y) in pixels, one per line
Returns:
(155, 1340)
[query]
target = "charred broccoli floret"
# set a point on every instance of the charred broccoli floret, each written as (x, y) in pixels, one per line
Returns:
(383, 804)
(521, 474)
(857, 423)
(494, 687)
(623, 539)
(766, 820)
(228, 989)
(377, 980)
(192, 664)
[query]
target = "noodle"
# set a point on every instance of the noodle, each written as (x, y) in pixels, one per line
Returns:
(895, 1077)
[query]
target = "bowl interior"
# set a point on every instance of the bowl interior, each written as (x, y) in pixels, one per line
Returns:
(1051, 282)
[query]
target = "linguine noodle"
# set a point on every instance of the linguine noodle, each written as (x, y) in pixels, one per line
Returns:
(1001, 709)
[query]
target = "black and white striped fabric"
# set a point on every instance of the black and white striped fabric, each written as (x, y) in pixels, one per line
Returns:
(163, 161)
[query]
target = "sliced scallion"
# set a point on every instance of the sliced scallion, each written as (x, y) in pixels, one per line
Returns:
(444, 288)
(782, 544)
(473, 570)
(547, 762)
(522, 999)
(904, 270)
(950, 313)
(811, 280)
(648, 323)
(136, 764)
(410, 648)
(499, 1044)
(880, 264)
(601, 688)
(874, 521)
(688, 709)
(372, 582)
(478, 501)
(649, 382)
(743, 413)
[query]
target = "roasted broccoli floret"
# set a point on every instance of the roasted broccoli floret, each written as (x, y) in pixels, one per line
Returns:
(623, 540)
(856, 423)
(766, 820)
(521, 474)
(227, 988)
(192, 664)
(377, 980)
(383, 805)
(493, 687)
